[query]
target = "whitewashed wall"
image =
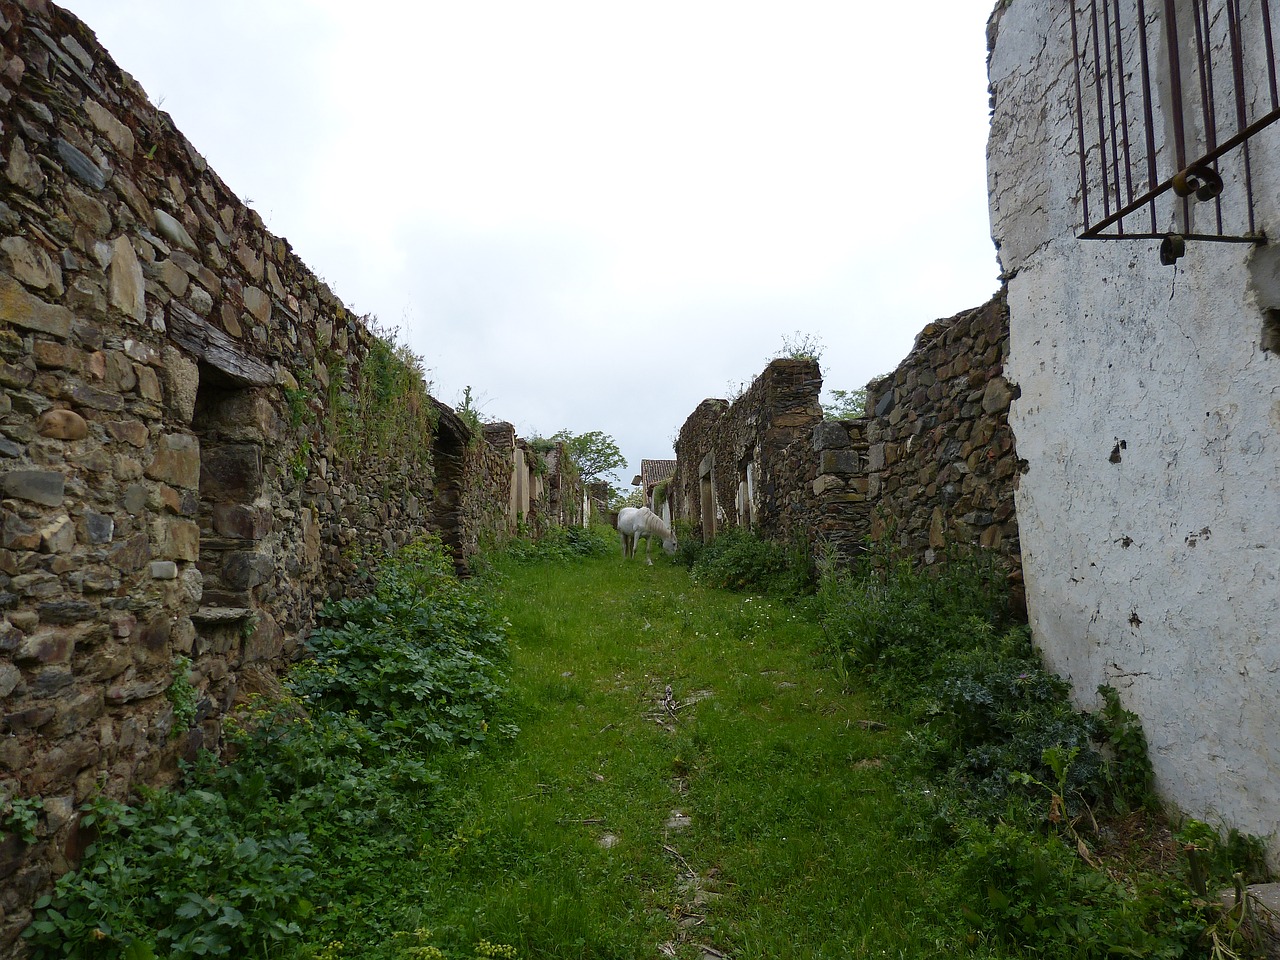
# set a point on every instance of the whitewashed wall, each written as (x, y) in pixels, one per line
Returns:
(1149, 420)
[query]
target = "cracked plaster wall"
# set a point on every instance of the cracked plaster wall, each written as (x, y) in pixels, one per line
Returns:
(1149, 418)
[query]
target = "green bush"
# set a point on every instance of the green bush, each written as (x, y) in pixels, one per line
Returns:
(889, 621)
(330, 796)
(562, 544)
(740, 560)
(179, 875)
(1007, 775)
(419, 663)
(1033, 894)
(689, 545)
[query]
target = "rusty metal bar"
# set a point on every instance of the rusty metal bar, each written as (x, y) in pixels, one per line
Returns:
(1105, 37)
(1084, 171)
(1102, 117)
(1242, 109)
(1216, 237)
(1208, 104)
(1124, 108)
(1148, 120)
(1271, 51)
(1175, 95)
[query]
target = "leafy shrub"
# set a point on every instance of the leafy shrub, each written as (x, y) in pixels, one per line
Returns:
(941, 644)
(562, 544)
(179, 875)
(740, 560)
(997, 712)
(1034, 894)
(329, 795)
(21, 817)
(1128, 765)
(1215, 858)
(419, 662)
(1005, 773)
(890, 622)
(689, 545)
(184, 697)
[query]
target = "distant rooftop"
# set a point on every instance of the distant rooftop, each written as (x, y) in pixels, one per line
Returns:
(653, 472)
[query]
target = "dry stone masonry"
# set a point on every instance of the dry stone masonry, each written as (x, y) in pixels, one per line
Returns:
(198, 444)
(933, 464)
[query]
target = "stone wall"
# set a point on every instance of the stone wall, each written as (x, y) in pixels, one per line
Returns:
(1148, 415)
(198, 442)
(941, 462)
(749, 464)
(933, 465)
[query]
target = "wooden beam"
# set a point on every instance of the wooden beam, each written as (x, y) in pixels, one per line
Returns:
(218, 349)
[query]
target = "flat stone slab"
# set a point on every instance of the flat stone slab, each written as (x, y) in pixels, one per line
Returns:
(217, 615)
(678, 821)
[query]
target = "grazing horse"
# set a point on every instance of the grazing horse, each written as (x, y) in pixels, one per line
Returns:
(637, 522)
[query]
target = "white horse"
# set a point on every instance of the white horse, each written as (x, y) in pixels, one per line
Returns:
(637, 522)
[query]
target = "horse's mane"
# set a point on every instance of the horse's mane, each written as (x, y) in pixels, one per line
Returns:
(655, 524)
(651, 523)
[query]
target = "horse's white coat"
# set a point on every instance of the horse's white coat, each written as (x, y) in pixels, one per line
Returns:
(637, 522)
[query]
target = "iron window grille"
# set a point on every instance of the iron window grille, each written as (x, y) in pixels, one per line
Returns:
(1167, 97)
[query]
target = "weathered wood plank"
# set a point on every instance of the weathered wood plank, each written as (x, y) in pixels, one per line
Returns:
(216, 348)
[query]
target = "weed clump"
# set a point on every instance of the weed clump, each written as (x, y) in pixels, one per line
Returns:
(740, 560)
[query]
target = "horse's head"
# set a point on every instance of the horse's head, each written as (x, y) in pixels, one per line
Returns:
(670, 545)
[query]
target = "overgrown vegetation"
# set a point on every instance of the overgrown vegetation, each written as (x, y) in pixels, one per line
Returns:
(739, 560)
(312, 836)
(878, 768)
(388, 410)
(560, 544)
(1012, 781)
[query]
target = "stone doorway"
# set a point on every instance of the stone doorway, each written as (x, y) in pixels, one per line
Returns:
(448, 459)
(234, 514)
(707, 491)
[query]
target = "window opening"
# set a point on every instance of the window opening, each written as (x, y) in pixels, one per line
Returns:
(1167, 97)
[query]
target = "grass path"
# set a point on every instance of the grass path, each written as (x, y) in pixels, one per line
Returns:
(688, 782)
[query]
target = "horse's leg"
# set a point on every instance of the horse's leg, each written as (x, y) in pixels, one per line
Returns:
(647, 542)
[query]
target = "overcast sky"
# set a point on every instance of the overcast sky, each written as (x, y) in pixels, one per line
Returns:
(598, 214)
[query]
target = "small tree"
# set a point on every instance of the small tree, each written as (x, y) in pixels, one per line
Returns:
(595, 454)
(846, 404)
(468, 408)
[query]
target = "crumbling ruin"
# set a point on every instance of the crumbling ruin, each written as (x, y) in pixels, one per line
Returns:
(199, 443)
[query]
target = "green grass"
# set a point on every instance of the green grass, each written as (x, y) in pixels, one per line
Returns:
(789, 850)
(696, 773)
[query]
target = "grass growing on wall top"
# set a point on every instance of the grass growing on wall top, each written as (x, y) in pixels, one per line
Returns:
(388, 410)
